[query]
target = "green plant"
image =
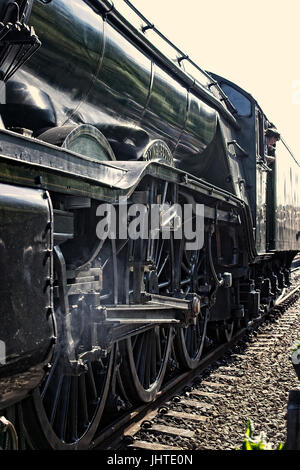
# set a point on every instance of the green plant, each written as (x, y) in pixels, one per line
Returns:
(295, 352)
(259, 443)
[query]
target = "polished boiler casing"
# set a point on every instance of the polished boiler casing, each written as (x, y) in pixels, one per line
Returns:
(89, 71)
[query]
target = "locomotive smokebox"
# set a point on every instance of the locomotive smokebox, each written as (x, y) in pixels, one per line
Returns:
(27, 329)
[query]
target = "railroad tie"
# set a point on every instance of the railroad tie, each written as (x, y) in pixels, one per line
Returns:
(216, 385)
(186, 416)
(226, 377)
(203, 393)
(174, 431)
(195, 404)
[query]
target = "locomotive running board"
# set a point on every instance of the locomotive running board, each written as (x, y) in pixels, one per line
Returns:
(158, 309)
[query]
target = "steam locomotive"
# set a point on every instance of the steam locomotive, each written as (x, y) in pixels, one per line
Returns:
(101, 116)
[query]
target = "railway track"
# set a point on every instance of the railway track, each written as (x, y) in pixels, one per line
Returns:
(194, 399)
(189, 405)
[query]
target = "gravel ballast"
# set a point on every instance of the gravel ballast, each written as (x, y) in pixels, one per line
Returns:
(257, 379)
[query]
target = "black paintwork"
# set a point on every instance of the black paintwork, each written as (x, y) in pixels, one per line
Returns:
(96, 68)
(88, 72)
(25, 289)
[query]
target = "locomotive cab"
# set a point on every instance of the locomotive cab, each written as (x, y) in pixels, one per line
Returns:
(270, 179)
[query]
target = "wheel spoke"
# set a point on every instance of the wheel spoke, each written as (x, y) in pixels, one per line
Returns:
(92, 390)
(71, 408)
(157, 259)
(185, 268)
(55, 402)
(163, 265)
(50, 375)
(138, 351)
(153, 355)
(190, 340)
(185, 281)
(158, 345)
(74, 408)
(83, 400)
(63, 408)
(145, 355)
(142, 359)
(147, 370)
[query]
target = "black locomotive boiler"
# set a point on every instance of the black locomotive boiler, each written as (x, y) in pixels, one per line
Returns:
(99, 110)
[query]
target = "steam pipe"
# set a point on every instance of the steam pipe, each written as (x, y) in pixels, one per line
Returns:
(218, 283)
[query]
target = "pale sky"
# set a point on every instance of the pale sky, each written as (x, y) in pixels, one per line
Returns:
(253, 43)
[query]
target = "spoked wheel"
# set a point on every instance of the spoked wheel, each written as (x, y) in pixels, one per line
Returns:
(190, 340)
(145, 358)
(225, 331)
(228, 330)
(145, 354)
(65, 411)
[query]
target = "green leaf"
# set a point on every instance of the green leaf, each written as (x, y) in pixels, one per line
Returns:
(248, 446)
(249, 429)
(259, 443)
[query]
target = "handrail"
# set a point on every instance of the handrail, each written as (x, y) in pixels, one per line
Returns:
(183, 56)
(110, 12)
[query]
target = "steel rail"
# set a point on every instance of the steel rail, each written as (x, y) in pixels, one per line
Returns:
(111, 438)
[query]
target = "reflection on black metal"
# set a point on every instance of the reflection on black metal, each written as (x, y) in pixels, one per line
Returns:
(182, 56)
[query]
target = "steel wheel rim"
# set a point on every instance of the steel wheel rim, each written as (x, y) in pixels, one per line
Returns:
(78, 402)
(190, 340)
(146, 366)
(145, 355)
